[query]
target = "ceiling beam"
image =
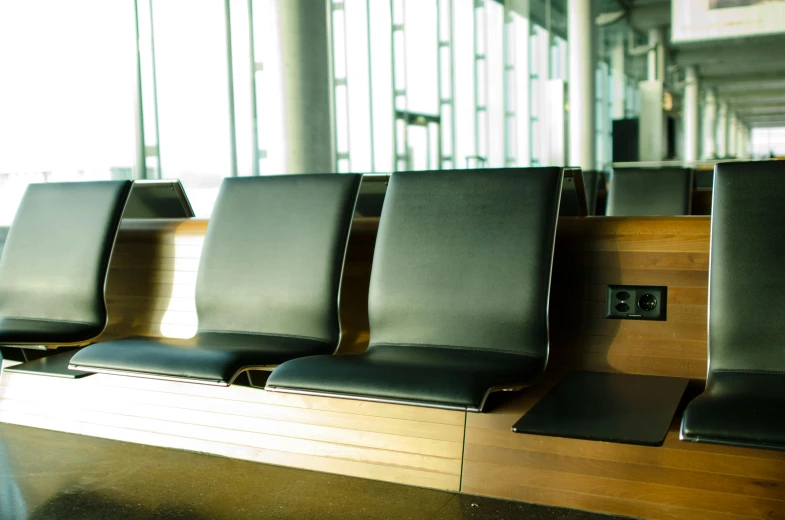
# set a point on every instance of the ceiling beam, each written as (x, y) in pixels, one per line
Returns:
(748, 86)
(752, 112)
(760, 96)
(720, 80)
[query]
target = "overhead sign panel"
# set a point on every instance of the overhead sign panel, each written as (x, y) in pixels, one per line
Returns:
(702, 20)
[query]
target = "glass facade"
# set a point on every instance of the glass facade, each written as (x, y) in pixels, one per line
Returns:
(416, 84)
(66, 99)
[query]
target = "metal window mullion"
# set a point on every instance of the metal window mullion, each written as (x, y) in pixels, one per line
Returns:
(396, 92)
(480, 57)
(337, 6)
(141, 152)
(159, 173)
(533, 76)
(453, 115)
(370, 83)
(255, 169)
(509, 76)
(449, 102)
(439, 99)
(230, 83)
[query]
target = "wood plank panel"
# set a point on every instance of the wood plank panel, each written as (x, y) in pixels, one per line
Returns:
(152, 280)
(594, 253)
(370, 440)
(677, 480)
(561, 498)
(150, 291)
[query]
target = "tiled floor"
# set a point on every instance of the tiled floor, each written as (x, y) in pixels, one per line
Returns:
(58, 476)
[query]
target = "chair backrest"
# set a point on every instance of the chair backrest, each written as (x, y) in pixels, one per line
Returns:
(568, 206)
(746, 282)
(591, 184)
(273, 255)
(463, 260)
(56, 256)
(650, 192)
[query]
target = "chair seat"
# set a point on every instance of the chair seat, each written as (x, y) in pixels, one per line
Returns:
(208, 357)
(739, 408)
(429, 376)
(20, 331)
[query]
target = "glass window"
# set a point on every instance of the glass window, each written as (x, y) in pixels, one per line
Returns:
(190, 39)
(538, 66)
(421, 57)
(67, 94)
(767, 142)
(464, 81)
(603, 115)
(495, 96)
(522, 88)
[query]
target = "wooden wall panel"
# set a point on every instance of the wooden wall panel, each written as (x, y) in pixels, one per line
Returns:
(150, 289)
(595, 252)
(152, 279)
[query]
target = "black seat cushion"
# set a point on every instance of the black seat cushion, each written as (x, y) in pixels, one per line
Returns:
(55, 261)
(650, 192)
(209, 356)
(445, 377)
(737, 408)
(49, 332)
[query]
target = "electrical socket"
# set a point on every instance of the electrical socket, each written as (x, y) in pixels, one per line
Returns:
(636, 302)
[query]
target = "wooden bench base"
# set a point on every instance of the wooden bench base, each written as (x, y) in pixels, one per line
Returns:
(440, 449)
(407, 445)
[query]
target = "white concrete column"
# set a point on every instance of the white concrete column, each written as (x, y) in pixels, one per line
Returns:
(741, 141)
(617, 72)
(691, 115)
(722, 130)
(580, 37)
(661, 56)
(303, 62)
(732, 134)
(651, 56)
(710, 124)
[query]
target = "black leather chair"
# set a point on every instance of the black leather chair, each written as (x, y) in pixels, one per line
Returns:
(267, 287)
(745, 390)
(458, 301)
(569, 205)
(591, 185)
(54, 264)
(650, 192)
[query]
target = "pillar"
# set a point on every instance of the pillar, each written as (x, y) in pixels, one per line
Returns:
(691, 115)
(741, 140)
(307, 127)
(722, 130)
(580, 37)
(732, 134)
(617, 72)
(710, 125)
(651, 56)
(661, 55)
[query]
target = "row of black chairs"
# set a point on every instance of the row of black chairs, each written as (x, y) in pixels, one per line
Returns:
(458, 302)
